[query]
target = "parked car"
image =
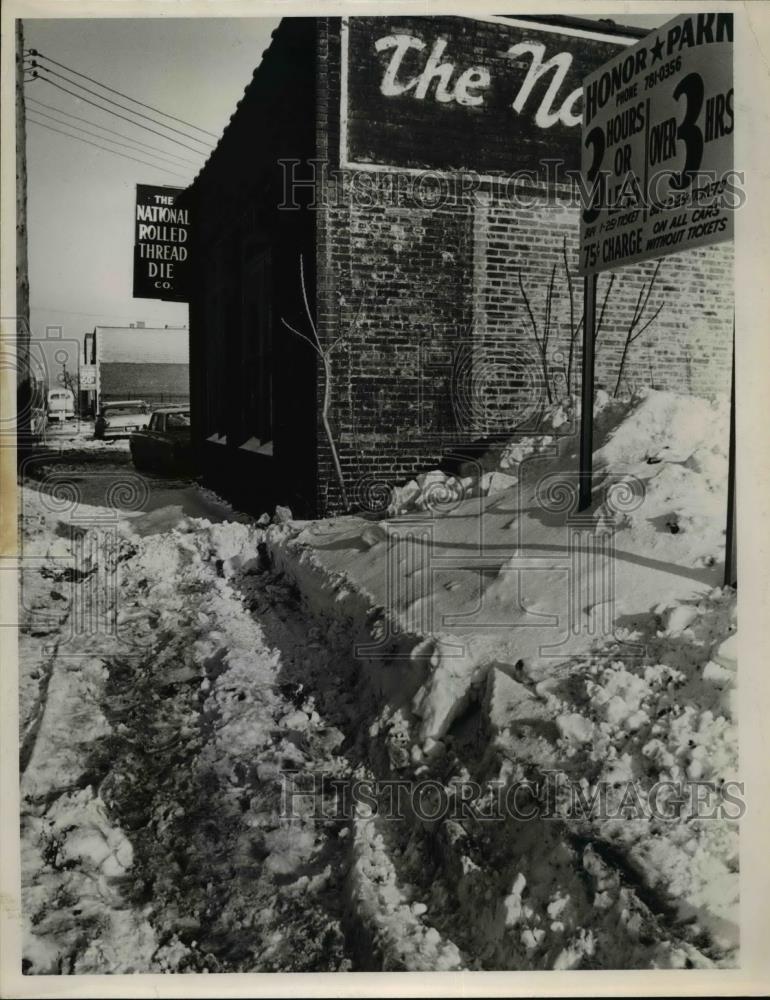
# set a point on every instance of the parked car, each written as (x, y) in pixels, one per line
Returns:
(165, 443)
(120, 418)
(61, 405)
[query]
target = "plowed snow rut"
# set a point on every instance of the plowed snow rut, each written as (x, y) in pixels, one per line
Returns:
(164, 846)
(179, 762)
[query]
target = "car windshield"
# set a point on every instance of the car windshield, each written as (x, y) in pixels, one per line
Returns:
(178, 420)
(124, 411)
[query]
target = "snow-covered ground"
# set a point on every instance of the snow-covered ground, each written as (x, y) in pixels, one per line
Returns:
(78, 435)
(485, 643)
(153, 741)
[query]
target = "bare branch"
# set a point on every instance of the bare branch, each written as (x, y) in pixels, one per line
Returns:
(637, 311)
(529, 311)
(573, 330)
(541, 343)
(307, 304)
(341, 337)
(650, 287)
(638, 316)
(632, 334)
(302, 336)
(569, 287)
(598, 326)
(325, 356)
(655, 315)
(548, 310)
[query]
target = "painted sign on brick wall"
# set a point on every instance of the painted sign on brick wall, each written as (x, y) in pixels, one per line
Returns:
(491, 95)
(658, 145)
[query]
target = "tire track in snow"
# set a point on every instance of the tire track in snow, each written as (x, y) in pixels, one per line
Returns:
(151, 834)
(384, 926)
(205, 733)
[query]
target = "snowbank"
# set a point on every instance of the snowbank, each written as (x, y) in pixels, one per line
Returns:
(156, 742)
(80, 437)
(457, 610)
(559, 684)
(651, 427)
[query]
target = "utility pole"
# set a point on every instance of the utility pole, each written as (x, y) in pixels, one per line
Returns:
(23, 382)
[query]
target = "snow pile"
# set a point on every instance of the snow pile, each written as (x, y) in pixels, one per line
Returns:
(398, 932)
(663, 426)
(655, 731)
(74, 853)
(464, 659)
(685, 435)
(152, 830)
(80, 437)
(156, 834)
(439, 491)
(676, 446)
(633, 711)
(432, 490)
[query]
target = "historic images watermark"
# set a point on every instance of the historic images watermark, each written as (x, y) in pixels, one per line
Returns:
(316, 184)
(553, 795)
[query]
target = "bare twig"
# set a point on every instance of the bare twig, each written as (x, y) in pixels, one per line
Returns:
(302, 336)
(307, 306)
(573, 330)
(633, 334)
(598, 325)
(325, 355)
(541, 341)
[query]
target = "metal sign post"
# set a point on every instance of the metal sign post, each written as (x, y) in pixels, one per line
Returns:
(587, 391)
(731, 561)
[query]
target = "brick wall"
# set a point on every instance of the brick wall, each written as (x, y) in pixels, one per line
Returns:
(438, 348)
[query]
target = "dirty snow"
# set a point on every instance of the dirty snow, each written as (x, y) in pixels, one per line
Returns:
(431, 646)
(78, 435)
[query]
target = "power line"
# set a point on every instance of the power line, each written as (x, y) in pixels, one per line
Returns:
(102, 315)
(139, 114)
(36, 52)
(87, 121)
(194, 138)
(106, 149)
(147, 128)
(96, 135)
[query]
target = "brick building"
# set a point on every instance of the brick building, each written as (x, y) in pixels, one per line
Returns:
(412, 173)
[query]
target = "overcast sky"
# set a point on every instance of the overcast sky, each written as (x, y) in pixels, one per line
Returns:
(81, 199)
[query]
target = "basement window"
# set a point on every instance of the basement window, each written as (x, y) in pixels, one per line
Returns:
(258, 447)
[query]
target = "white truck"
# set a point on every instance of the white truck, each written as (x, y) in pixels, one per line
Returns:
(60, 405)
